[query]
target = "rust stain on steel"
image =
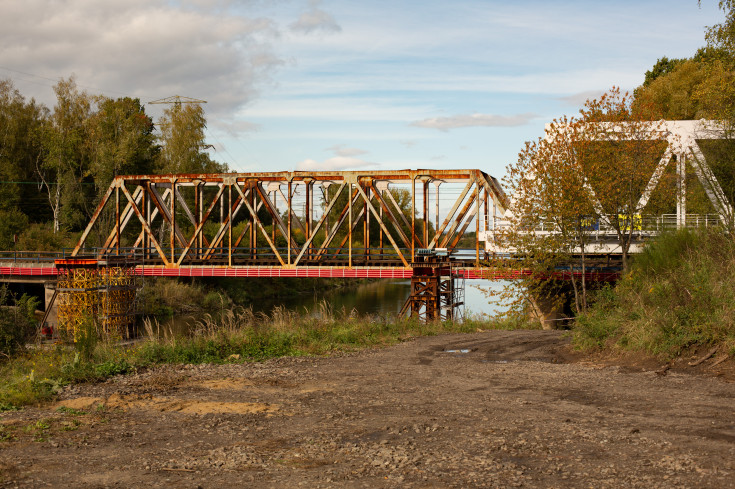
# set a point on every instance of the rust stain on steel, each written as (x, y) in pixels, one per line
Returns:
(200, 234)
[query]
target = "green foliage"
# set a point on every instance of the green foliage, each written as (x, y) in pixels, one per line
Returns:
(20, 149)
(17, 322)
(679, 293)
(112, 368)
(662, 67)
(165, 297)
(41, 237)
(85, 339)
(12, 223)
(70, 411)
(183, 142)
(239, 335)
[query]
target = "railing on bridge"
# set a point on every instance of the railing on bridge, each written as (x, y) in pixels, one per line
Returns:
(599, 231)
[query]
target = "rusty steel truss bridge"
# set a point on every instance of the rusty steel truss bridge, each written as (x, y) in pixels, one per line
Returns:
(293, 224)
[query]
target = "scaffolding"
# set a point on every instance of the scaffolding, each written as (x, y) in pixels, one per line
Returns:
(102, 294)
(437, 291)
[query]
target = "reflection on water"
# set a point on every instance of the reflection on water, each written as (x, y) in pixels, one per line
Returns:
(384, 297)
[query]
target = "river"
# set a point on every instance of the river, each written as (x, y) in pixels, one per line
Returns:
(384, 297)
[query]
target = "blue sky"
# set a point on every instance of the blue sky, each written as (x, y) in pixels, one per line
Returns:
(353, 85)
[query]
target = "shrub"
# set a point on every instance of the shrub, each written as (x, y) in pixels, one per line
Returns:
(679, 292)
(12, 222)
(17, 322)
(41, 237)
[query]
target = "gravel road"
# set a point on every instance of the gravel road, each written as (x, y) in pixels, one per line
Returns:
(490, 409)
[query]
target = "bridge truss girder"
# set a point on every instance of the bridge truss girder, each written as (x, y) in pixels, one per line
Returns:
(290, 219)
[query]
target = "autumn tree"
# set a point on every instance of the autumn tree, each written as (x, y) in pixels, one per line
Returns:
(619, 148)
(550, 215)
(587, 174)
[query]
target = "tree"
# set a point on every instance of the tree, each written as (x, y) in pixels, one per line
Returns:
(550, 215)
(662, 67)
(121, 141)
(722, 35)
(20, 149)
(17, 321)
(618, 149)
(586, 172)
(183, 142)
(66, 165)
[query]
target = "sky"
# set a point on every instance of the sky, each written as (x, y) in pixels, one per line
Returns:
(352, 85)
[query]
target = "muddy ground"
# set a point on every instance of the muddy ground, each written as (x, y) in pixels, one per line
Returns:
(491, 409)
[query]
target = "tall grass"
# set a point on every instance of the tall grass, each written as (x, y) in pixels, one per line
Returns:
(679, 293)
(240, 333)
(237, 335)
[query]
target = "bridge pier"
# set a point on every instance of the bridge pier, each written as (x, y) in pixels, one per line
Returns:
(437, 293)
(50, 305)
(547, 310)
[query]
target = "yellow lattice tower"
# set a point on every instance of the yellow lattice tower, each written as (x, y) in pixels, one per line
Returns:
(101, 294)
(78, 290)
(117, 297)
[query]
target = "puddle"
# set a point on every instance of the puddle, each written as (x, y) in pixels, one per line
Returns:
(456, 351)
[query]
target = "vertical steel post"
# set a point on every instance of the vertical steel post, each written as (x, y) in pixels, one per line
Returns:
(197, 218)
(229, 224)
(382, 197)
(173, 220)
(681, 192)
(307, 214)
(273, 219)
(487, 217)
(477, 226)
(366, 226)
(437, 183)
(413, 219)
(253, 232)
(426, 211)
(325, 196)
(288, 211)
(349, 228)
(117, 219)
(146, 208)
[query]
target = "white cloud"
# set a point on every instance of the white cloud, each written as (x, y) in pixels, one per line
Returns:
(314, 20)
(234, 127)
(578, 99)
(342, 150)
(341, 109)
(474, 120)
(145, 48)
(336, 163)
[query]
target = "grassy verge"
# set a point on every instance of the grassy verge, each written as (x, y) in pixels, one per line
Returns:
(239, 336)
(680, 293)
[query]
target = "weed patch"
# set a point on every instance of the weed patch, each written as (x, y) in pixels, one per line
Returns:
(679, 293)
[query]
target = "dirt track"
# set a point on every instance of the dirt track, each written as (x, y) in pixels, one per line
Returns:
(492, 409)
